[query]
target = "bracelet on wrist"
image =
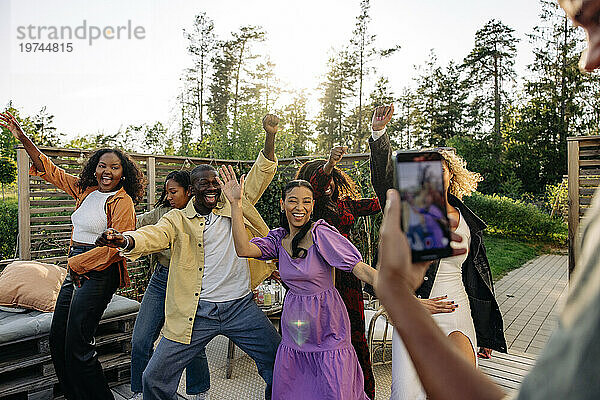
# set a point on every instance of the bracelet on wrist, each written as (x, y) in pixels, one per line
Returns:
(126, 244)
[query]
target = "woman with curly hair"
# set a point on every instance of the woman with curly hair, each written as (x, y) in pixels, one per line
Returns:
(105, 192)
(338, 203)
(474, 318)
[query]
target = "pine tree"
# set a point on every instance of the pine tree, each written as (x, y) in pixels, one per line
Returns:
(240, 49)
(336, 93)
(202, 45)
(490, 64)
(363, 50)
(220, 86)
(296, 127)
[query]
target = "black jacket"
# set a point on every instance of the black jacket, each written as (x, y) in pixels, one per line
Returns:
(476, 273)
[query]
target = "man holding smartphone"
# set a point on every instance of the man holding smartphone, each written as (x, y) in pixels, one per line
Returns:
(568, 368)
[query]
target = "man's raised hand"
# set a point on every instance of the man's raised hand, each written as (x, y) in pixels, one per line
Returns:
(381, 116)
(271, 123)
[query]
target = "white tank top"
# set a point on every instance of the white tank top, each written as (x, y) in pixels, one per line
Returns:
(89, 220)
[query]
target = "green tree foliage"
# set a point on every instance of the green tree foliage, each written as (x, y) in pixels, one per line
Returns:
(241, 50)
(202, 45)
(154, 139)
(557, 101)
(242, 90)
(101, 140)
(220, 93)
(363, 52)
(405, 108)
(8, 172)
(45, 132)
(39, 127)
(439, 105)
(9, 227)
(295, 134)
(336, 92)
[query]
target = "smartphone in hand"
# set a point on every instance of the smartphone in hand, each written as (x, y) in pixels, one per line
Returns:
(419, 178)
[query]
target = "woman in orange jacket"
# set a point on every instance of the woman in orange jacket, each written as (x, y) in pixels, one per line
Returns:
(105, 192)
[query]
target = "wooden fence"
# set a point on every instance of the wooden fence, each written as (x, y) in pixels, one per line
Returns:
(584, 178)
(44, 211)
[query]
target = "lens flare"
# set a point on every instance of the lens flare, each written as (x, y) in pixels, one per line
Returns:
(299, 330)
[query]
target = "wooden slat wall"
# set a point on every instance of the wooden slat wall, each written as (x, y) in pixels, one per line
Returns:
(584, 178)
(44, 211)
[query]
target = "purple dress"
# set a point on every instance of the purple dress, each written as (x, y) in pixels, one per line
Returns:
(315, 359)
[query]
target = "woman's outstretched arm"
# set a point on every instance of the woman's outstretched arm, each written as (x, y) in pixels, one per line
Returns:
(9, 122)
(380, 161)
(233, 191)
(365, 273)
(42, 165)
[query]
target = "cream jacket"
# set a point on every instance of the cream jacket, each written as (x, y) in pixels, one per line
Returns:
(182, 231)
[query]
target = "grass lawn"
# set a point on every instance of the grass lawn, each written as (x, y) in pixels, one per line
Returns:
(506, 253)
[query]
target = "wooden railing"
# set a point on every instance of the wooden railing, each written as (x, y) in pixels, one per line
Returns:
(584, 178)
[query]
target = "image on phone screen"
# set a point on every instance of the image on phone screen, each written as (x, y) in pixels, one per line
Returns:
(420, 181)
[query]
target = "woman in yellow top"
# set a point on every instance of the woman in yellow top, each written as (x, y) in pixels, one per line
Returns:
(105, 192)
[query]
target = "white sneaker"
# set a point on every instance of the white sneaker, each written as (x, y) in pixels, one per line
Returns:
(202, 396)
(137, 396)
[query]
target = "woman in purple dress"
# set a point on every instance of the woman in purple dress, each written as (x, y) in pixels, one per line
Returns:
(315, 359)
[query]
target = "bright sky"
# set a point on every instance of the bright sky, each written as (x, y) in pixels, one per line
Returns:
(114, 83)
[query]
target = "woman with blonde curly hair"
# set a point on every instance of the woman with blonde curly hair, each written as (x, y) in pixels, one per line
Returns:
(457, 290)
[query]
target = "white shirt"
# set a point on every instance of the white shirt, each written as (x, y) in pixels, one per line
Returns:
(226, 276)
(377, 134)
(89, 220)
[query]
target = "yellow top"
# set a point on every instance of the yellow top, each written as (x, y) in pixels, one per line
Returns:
(182, 231)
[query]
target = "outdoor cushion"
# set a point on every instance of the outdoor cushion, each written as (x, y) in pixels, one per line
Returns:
(31, 284)
(15, 326)
(120, 305)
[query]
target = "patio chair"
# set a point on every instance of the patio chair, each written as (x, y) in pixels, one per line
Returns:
(379, 331)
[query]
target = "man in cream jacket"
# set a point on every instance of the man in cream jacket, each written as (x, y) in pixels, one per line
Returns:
(209, 286)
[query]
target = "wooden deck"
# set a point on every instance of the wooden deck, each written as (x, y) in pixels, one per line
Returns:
(530, 299)
(507, 370)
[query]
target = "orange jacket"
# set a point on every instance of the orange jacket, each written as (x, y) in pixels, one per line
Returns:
(120, 214)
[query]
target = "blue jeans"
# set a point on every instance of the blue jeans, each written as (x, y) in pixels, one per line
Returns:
(240, 320)
(148, 324)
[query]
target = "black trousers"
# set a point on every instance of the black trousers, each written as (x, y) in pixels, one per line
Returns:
(76, 317)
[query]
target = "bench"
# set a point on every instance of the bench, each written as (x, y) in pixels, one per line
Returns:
(26, 368)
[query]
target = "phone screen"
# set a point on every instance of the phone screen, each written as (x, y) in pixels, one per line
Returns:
(420, 181)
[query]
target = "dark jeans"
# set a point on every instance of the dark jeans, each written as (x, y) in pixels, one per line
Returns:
(148, 324)
(240, 320)
(76, 316)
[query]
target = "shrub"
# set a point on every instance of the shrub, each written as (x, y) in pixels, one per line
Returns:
(8, 172)
(505, 215)
(557, 199)
(9, 228)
